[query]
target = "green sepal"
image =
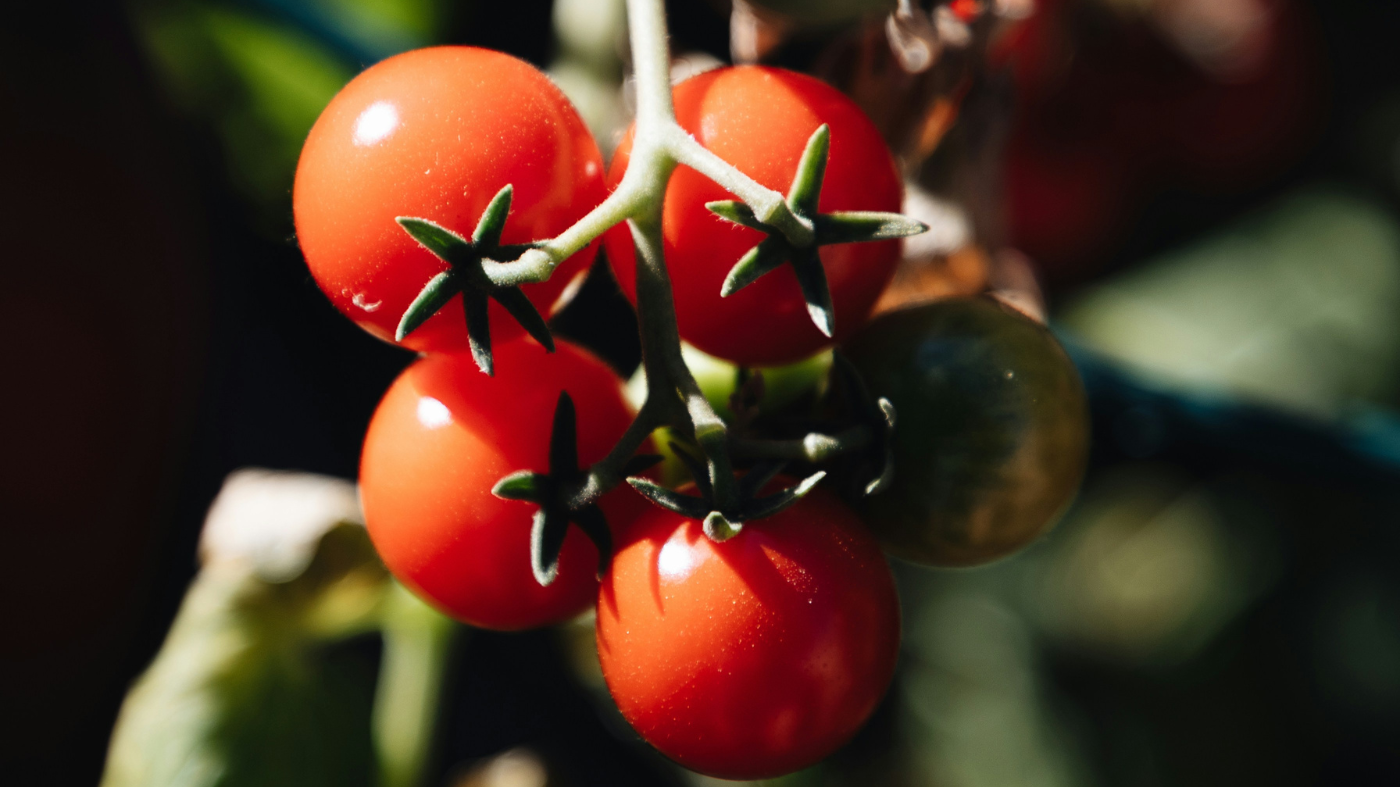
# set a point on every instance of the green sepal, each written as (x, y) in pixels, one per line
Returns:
(772, 504)
(738, 213)
(641, 463)
(811, 171)
(547, 533)
(525, 313)
(860, 226)
(474, 305)
(669, 499)
(467, 276)
(802, 199)
(488, 229)
(770, 253)
(522, 485)
(877, 415)
(563, 437)
(811, 277)
(699, 471)
(718, 527)
(886, 475)
(435, 295)
(594, 525)
(441, 241)
(759, 475)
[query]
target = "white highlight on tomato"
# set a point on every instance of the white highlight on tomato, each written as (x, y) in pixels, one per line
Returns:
(677, 559)
(433, 414)
(376, 123)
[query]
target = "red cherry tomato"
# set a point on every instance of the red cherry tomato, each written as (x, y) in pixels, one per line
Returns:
(435, 134)
(759, 119)
(752, 657)
(441, 439)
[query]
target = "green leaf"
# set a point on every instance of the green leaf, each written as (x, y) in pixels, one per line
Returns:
(669, 499)
(441, 241)
(249, 690)
(770, 252)
(521, 485)
(474, 304)
(811, 170)
(860, 226)
(525, 313)
(435, 295)
(547, 533)
(811, 277)
(493, 220)
(739, 213)
(768, 506)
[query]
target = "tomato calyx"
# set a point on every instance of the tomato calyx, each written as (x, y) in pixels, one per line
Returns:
(554, 493)
(467, 275)
(828, 228)
(722, 522)
(877, 416)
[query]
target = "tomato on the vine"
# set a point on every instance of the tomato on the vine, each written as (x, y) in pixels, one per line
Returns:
(755, 656)
(759, 119)
(992, 432)
(435, 134)
(441, 439)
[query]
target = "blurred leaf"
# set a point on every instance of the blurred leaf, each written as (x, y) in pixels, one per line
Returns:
(1298, 307)
(255, 684)
(265, 678)
(262, 84)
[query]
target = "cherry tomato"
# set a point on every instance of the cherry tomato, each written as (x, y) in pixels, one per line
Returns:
(759, 119)
(752, 657)
(441, 439)
(435, 134)
(992, 432)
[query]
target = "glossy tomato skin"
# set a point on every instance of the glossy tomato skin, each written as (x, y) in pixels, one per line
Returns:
(435, 134)
(759, 119)
(756, 656)
(442, 437)
(991, 439)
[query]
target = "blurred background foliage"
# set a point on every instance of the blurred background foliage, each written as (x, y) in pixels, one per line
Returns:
(1221, 606)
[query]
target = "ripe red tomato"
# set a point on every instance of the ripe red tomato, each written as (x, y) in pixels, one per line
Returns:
(759, 119)
(440, 440)
(434, 134)
(752, 657)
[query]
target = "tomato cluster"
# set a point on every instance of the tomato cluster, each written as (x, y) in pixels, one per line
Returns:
(743, 657)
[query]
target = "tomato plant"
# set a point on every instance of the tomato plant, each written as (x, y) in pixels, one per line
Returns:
(755, 656)
(435, 134)
(992, 434)
(760, 119)
(439, 441)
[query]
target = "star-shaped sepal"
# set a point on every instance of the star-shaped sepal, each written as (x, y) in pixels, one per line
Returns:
(724, 522)
(552, 492)
(827, 228)
(465, 275)
(874, 413)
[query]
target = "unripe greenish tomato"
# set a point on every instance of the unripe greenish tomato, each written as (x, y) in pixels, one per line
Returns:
(992, 431)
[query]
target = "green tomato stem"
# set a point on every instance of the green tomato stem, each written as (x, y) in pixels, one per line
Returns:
(659, 145)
